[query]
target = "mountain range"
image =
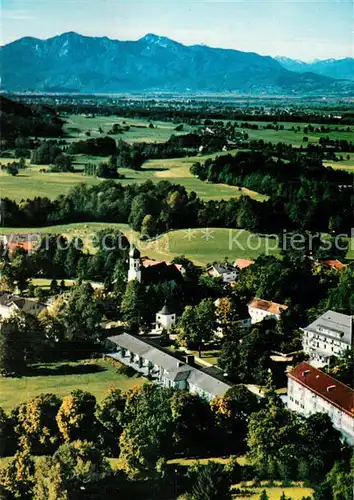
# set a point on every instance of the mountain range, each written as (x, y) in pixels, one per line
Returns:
(333, 68)
(75, 63)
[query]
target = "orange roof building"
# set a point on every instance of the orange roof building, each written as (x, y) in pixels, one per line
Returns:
(259, 309)
(28, 246)
(243, 263)
(334, 264)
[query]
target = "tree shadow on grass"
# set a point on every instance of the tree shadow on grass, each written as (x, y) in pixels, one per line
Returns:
(64, 369)
(153, 169)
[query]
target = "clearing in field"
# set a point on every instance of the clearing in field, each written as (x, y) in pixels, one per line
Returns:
(95, 376)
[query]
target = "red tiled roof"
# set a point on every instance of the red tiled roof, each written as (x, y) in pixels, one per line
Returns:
(267, 305)
(324, 386)
(26, 245)
(334, 264)
(147, 262)
(242, 263)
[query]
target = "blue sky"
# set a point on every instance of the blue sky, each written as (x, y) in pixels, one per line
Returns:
(295, 28)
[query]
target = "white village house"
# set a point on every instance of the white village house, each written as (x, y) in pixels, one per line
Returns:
(11, 304)
(311, 391)
(259, 309)
(226, 271)
(329, 335)
(164, 368)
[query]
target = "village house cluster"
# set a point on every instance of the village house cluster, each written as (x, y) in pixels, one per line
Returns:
(309, 389)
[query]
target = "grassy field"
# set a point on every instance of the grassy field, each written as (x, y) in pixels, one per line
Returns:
(274, 493)
(96, 377)
(200, 245)
(289, 136)
(76, 127)
(341, 165)
(31, 182)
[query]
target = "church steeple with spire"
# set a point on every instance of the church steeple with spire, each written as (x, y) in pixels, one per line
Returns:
(134, 272)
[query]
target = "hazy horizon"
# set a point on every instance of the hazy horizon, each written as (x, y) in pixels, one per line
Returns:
(295, 29)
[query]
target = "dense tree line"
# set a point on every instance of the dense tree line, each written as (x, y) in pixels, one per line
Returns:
(98, 146)
(149, 425)
(316, 206)
(18, 119)
(303, 193)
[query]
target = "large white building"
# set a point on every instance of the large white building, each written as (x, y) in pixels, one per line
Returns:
(329, 335)
(165, 369)
(312, 391)
(259, 309)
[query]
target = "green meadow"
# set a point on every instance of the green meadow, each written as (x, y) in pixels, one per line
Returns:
(97, 377)
(293, 137)
(202, 246)
(76, 127)
(30, 182)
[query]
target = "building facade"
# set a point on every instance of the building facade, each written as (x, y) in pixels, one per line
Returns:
(134, 272)
(165, 318)
(149, 271)
(11, 304)
(311, 391)
(163, 368)
(226, 271)
(329, 335)
(259, 309)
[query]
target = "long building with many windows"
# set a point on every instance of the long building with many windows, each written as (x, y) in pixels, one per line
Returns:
(310, 390)
(165, 369)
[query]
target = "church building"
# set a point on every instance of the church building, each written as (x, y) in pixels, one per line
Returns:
(149, 271)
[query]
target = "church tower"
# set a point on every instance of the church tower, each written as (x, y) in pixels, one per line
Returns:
(134, 272)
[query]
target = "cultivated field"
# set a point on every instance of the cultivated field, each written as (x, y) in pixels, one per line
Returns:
(96, 377)
(31, 182)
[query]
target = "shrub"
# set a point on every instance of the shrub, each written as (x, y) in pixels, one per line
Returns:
(128, 371)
